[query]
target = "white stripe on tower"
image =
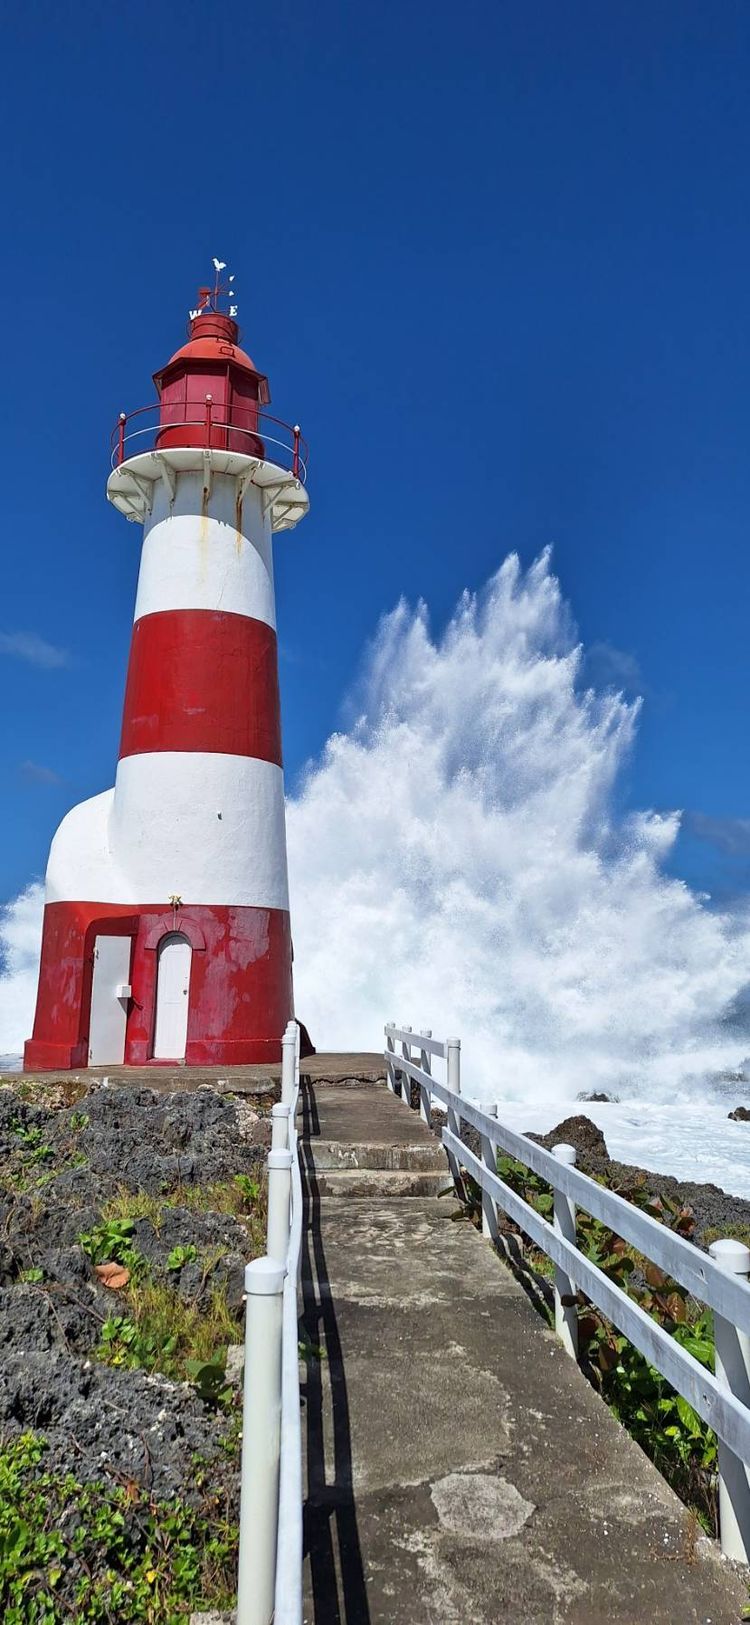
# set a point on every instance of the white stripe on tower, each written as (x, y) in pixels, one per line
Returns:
(206, 827)
(198, 556)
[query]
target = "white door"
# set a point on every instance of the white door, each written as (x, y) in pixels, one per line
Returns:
(109, 1004)
(172, 997)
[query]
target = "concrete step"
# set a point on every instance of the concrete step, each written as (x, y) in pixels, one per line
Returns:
(378, 1183)
(420, 1158)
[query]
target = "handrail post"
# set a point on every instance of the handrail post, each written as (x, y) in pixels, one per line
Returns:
(425, 1099)
(295, 461)
(405, 1079)
(489, 1205)
(453, 1080)
(261, 1441)
(288, 1065)
(121, 438)
(280, 1126)
(732, 1366)
(453, 1060)
(279, 1196)
(390, 1076)
(564, 1222)
(209, 417)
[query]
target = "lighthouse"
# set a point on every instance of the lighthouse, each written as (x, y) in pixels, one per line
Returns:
(166, 931)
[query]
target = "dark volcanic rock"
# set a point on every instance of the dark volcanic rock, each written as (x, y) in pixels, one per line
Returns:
(59, 1166)
(741, 1114)
(598, 1097)
(584, 1135)
(106, 1423)
(158, 1142)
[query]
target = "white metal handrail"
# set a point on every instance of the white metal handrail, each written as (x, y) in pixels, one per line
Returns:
(718, 1280)
(288, 1590)
(269, 1580)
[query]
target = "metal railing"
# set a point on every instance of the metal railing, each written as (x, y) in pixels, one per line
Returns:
(718, 1278)
(269, 1583)
(289, 447)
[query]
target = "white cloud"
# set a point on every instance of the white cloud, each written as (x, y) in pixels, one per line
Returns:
(35, 650)
(37, 773)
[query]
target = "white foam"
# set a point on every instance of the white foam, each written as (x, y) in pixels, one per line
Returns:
(458, 861)
(20, 942)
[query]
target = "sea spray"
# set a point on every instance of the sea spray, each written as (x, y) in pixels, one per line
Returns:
(20, 942)
(458, 860)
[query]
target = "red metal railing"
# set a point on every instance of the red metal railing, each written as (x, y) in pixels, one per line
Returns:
(287, 447)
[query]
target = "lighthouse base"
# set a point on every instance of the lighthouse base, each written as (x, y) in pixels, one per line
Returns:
(199, 986)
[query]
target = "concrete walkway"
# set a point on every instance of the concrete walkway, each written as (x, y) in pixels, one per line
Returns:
(460, 1470)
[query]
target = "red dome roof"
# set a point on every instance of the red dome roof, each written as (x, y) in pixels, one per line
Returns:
(213, 337)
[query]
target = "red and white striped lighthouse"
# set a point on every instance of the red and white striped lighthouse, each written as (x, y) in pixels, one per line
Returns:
(166, 922)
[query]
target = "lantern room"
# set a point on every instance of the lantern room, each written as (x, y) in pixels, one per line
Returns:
(210, 393)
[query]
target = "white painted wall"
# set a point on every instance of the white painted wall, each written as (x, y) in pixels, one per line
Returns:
(166, 830)
(160, 835)
(192, 560)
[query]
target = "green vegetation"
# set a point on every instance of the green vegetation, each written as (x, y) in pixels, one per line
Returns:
(737, 1232)
(663, 1423)
(180, 1256)
(32, 1140)
(33, 1163)
(156, 1327)
(158, 1331)
(111, 1242)
(241, 1198)
(97, 1552)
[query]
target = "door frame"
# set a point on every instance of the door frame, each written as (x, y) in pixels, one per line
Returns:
(169, 939)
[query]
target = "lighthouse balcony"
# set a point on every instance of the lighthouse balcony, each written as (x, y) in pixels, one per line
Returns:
(152, 445)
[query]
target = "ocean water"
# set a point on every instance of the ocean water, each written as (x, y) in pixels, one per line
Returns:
(460, 859)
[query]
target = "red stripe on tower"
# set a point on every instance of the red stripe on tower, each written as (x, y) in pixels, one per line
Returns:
(202, 680)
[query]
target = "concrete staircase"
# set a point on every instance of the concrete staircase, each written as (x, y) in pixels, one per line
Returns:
(364, 1142)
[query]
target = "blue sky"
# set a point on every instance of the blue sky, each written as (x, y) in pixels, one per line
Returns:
(494, 259)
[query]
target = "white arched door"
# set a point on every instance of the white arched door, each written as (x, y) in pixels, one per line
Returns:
(172, 997)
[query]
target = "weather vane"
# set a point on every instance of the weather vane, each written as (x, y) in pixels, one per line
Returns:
(208, 298)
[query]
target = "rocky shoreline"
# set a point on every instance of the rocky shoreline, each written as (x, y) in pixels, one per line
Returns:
(126, 1219)
(717, 1213)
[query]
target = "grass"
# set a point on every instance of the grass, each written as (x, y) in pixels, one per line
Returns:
(155, 1327)
(733, 1232)
(158, 1331)
(242, 1198)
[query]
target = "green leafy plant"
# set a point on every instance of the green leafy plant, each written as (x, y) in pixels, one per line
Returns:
(209, 1377)
(110, 1241)
(32, 1141)
(32, 1276)
(96, 1552)
(182, 1255)
(248, 1188)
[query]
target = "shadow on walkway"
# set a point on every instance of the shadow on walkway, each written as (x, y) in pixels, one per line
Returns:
(332, 1545)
